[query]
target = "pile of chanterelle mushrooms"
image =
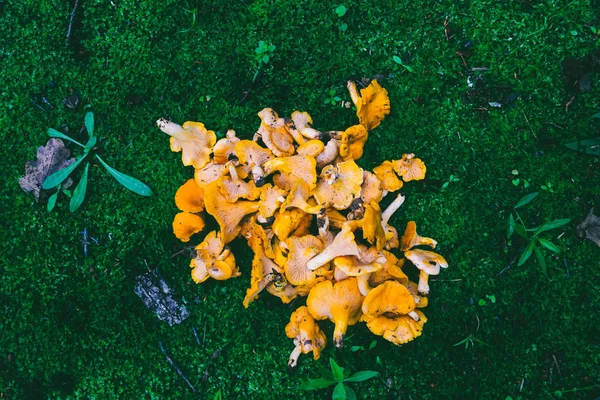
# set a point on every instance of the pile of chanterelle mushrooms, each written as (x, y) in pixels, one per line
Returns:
(312, 218)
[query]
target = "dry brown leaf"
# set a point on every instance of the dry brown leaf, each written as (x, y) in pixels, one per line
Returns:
(50, 158)
(589, 228)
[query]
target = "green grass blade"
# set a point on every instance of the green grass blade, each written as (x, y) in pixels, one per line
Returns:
(540, 258)
(56, 134)
(79, 192)
(60, 175)
(129, 182)
(557, 223)
(362, 376)
(526, 199)
(527, 253)
(315, 384)
(89, 123)
(339, 392)
(52, 201)
(336, 370)
(549, 245)
(510, 229)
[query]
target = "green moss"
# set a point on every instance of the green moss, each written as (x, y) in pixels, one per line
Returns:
(73, 328)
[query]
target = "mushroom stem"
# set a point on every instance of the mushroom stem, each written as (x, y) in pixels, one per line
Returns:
(392, 208)
(353, 92)
(343, 245)
(294, 356)
(341, 326)
(170, 128)
(423, 282)
(363, 284)
(232, 171)
(258, 175)
(414, 315)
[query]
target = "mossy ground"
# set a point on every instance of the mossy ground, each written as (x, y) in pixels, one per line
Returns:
(71, 327)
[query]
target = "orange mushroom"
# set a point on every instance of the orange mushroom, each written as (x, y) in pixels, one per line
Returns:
(372, 105)
(429, 263)
(193, 140)
(389, 180)
(186, 224)
(190, 197)
(339, 185)
(352, 142)
(410, 168)
(306, 334)
(224, 150)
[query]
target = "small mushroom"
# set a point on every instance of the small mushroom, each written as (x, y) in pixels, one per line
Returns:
(292, 169)
(192, 139)
(352, 142)
(329, 154)
(253, 156)
(306, 334)
(213, 260)
(339, 185)
(340, 303)
(342, 245)
(301, 249)
(190, 197)
(302, 122)
(372, 105)
(311, 148)
(410, 168)
(186, 224)
(274, 133)
(224, 150)
(429, 263)
(411, 239)
(298, 198)
(385, 173)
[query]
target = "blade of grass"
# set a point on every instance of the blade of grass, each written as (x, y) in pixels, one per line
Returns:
(129, 182)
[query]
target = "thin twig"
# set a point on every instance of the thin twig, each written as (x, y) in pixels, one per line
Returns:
(196, 335)
(446, 280)
(71, 21)
(569, 104)
(526, 120)
(556, 362)
(508, 266)
(176, 368)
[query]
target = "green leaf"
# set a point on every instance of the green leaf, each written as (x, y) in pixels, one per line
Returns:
(52, 201)
(271, 48)
(356, 348)
(549, 245)
(90, 144)
(362, 376)
(540, 258)
(373, 344)
(265, 58)
(56, 134)
(527, 253)
(350, 393)
(129, 182)
(339, 392)
(378, 361)
(587, 146)
(526, 199)
(510, 229)
(341, 10)
(336, 370)
(397, 60)
(343, 27)
(79, 192)
(325, 373)
(596, 115)
(89, 123)
(557, 223)
(337, 98)
(60, 175)
(409, 68)
(482, 302)
(315, 384)
(67, 193)
(519, 230)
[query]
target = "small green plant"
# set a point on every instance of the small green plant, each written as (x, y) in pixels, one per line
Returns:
(194, 14)
(398, 61)
(532, 235)
(362, 348)
(338, 377)
(78, 194)
(548, 188)
(341, 11)
(484, 302)
(516, 181)
(469, 341)
(262, 54)
(218, 395)
(333, 98)
(450, 180)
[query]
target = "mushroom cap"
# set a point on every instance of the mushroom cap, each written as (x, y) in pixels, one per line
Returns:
(224, 269)
(343, 245)
(353, 141)
(392, 270)
(427, 261)
(228, 215)
(311, 148)
(199, 271)
(371, 188)
(293, 169)
(410, 168)
(274, 134)
(306, 334)
(186, 224)
(339, 185)
(389, 180)
(340, 302)
(371, 225)
(301, 323)
(271, 198)
(421, 301)
(251, 154)
(302, 122)
(329, 153)
(398, 330)
(351, 266)
(190, 197)
(211, 246)
(261, 275)
(234, 189)
(192, 139)
(291, 222)
(411, 239)
(301, 249)
(207, 174)
(372, 105)
(390, 299)
(298, 198)
(225, 148)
